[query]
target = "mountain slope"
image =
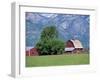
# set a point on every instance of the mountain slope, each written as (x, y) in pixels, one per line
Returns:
(69, 26)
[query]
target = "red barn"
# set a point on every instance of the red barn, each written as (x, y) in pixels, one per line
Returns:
(30, 51)
(73, 46)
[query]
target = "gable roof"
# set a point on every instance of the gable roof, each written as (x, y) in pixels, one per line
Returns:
(77, 43)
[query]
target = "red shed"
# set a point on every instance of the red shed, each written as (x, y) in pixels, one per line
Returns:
(30, 51)
(73, 45)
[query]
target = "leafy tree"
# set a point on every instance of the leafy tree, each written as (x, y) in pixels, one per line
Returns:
(49, 33)
(50, 47)
(49, 44)
(56, 46)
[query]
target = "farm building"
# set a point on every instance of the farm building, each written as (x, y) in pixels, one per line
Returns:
(73, 46)
(30, 51)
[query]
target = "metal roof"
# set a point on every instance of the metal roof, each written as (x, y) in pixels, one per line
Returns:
(77, 43)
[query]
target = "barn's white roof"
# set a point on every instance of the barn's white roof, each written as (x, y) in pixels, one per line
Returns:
(28, 48)
(77, 43)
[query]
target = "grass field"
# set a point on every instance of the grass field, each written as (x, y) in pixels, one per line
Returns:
(55, 60)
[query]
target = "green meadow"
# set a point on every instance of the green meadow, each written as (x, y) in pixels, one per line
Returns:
(57, 60)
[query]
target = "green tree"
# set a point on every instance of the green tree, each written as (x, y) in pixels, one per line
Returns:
(49, 44)
(49, 33)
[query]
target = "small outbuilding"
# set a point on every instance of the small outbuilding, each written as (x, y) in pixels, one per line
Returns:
(30, 51)
(73, 45)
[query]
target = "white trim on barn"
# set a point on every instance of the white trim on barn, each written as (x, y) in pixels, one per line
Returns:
(69, 49)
